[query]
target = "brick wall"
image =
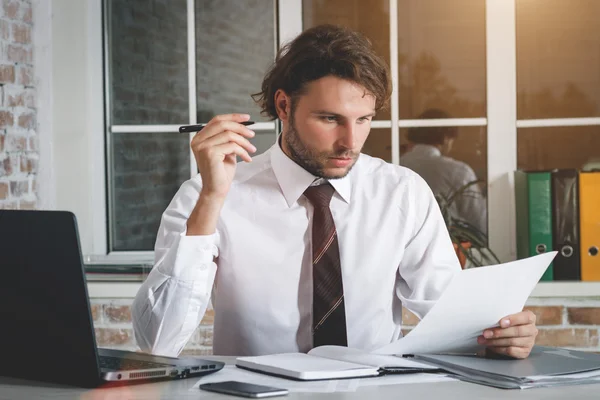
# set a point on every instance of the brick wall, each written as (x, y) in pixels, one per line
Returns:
(112, 322)
(570, 323)
(19, 153)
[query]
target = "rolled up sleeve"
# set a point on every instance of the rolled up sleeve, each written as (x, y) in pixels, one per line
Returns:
(173, 299)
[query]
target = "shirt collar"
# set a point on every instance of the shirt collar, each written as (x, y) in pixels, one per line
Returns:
(293, 179)
(426, 150)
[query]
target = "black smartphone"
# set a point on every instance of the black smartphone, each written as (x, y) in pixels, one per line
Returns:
(244, 389)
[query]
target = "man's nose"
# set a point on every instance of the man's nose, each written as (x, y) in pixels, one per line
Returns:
(348, 136)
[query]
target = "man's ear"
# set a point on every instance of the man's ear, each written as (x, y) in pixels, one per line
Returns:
(283, 105)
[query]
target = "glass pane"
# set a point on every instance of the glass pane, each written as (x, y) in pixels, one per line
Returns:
(148, 169)
(263, 141)
(558, 58)
(148, 62)
(449, 166)
(379, 144)
(235, 44)
(372, 18)
(558, 147)
(441, 46)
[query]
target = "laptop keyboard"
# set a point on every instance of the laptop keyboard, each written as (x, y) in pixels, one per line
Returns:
(121, 364)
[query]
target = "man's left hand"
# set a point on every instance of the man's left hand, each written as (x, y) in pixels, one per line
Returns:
(514, 338)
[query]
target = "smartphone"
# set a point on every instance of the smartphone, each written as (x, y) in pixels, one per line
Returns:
(244, 389)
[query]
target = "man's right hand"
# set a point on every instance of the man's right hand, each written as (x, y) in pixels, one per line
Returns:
(215, 148)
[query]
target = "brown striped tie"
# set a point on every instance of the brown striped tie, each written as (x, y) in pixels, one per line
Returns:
(329, 313)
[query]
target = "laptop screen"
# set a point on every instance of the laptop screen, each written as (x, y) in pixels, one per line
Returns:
(47, 326)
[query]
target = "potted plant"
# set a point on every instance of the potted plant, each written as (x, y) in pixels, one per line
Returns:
(470, 243)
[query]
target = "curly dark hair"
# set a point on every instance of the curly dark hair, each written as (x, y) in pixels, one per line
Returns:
(322, 51)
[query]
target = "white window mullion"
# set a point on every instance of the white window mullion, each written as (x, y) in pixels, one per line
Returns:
(289, 25)
(426, 123)
(191, 40)
(98, 90)
(553, 122)
(380, 124)
(259, 126)
(394, 103)
(289, 15)
(121, 258)
(144, 128)
(502, 130)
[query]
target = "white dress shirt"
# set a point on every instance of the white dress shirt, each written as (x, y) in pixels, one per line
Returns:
(394, 250)
(445, 175)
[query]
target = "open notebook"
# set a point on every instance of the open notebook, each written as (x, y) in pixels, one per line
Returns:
(546, 366)
(475, 299)
(331, 362)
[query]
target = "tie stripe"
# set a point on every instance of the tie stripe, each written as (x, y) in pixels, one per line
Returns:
(318, 324)
(329, 313)
(333, 235)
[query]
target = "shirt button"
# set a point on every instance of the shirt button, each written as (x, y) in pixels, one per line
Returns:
(203, 267)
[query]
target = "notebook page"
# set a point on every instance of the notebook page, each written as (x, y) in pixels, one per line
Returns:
(362, 357)
(301, 362)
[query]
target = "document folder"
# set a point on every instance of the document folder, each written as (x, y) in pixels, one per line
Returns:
(565, 225)
(589, 201)
(534, 216)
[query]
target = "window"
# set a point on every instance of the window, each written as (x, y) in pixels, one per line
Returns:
(517, 80)
(558, 83)
(170, 63)
(439, 65)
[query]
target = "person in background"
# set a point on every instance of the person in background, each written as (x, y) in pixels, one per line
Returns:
(310, 243)
(444, 175)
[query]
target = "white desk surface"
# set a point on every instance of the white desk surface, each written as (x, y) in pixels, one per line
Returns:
(182, 389)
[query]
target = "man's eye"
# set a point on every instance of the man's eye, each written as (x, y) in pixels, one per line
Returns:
(329, 118)
(363, 120)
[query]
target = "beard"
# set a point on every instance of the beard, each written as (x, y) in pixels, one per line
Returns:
(311, 160)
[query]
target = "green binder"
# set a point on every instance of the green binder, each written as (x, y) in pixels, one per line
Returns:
(533, 199)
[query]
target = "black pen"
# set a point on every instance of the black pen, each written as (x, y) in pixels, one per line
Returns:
(198, 128)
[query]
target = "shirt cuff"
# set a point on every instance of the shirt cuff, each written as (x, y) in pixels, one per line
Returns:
(193, 258)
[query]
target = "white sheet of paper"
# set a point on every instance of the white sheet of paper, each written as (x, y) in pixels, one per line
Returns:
(475, 299)
(233, 373)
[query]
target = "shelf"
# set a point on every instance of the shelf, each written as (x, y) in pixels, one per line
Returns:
(128, 290)
(567, 289)
(113, 290)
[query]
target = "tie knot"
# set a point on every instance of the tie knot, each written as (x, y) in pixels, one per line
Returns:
(320, 196)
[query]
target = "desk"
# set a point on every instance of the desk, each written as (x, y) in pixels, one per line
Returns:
(20, 389)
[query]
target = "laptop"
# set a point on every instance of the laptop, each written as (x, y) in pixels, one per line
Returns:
(47, 332)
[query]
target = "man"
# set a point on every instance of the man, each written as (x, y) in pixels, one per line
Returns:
(310, 243)
(443, 174)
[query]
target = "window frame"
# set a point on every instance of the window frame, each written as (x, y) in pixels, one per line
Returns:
(501, 120)
(61, 191)
(102, 253)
